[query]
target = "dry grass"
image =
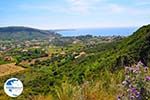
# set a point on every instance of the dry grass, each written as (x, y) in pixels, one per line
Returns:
(7, 69)
(3, 95)
(41, 97)
(86, 91)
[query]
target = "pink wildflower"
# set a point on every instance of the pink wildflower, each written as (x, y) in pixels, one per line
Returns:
(147, 78)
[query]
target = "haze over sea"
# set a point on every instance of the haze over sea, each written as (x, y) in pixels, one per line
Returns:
(126, 31)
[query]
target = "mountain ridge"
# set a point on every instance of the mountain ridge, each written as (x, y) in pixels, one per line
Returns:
(21, 32)
(134, 48)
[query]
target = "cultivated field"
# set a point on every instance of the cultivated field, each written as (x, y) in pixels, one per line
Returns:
(7, 69)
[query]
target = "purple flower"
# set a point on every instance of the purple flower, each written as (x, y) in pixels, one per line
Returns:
(147, 78)
(134, 90)
(132, 97)
(130, 69)
(136, 70)
(137, 94)
(146, 67)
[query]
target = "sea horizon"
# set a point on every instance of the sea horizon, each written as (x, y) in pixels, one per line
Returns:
(117, 31)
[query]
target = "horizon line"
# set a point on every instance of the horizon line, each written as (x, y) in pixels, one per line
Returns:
(69, 27)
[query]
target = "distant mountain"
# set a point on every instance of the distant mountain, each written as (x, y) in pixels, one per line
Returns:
(21, 33)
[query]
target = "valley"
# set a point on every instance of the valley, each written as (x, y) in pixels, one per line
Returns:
(68, 68)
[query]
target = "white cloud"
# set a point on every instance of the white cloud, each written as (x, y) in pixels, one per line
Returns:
(72, 6)
(103, 7)
(114, 8)
(97, 11)
(82, 6)
(47, 7)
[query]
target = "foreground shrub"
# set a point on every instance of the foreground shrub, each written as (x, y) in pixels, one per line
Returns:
(136, 85)
(86, 91)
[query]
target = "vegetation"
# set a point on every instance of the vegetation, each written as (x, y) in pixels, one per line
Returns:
(2, 61)
(80, 71)
(29, 55)
(22, 33)
(136, 84)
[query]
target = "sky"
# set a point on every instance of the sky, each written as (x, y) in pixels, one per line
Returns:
(64, 14)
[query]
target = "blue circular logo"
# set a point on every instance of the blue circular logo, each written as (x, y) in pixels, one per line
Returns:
(13, 87)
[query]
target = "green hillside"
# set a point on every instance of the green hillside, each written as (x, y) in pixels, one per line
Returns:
(21, 33)
(92, 73)
(125, 52)
(134, 48)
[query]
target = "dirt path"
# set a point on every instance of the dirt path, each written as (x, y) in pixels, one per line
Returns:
(7, 69)
(33, 60)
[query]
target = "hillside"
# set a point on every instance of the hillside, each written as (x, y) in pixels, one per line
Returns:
(21, 33)
(126, 52)
(108, 57)
(134, 48)
(92, 71)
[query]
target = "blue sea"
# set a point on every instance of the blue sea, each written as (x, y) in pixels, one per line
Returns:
(99, 31)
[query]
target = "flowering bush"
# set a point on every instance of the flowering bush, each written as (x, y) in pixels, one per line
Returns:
(136, 85)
